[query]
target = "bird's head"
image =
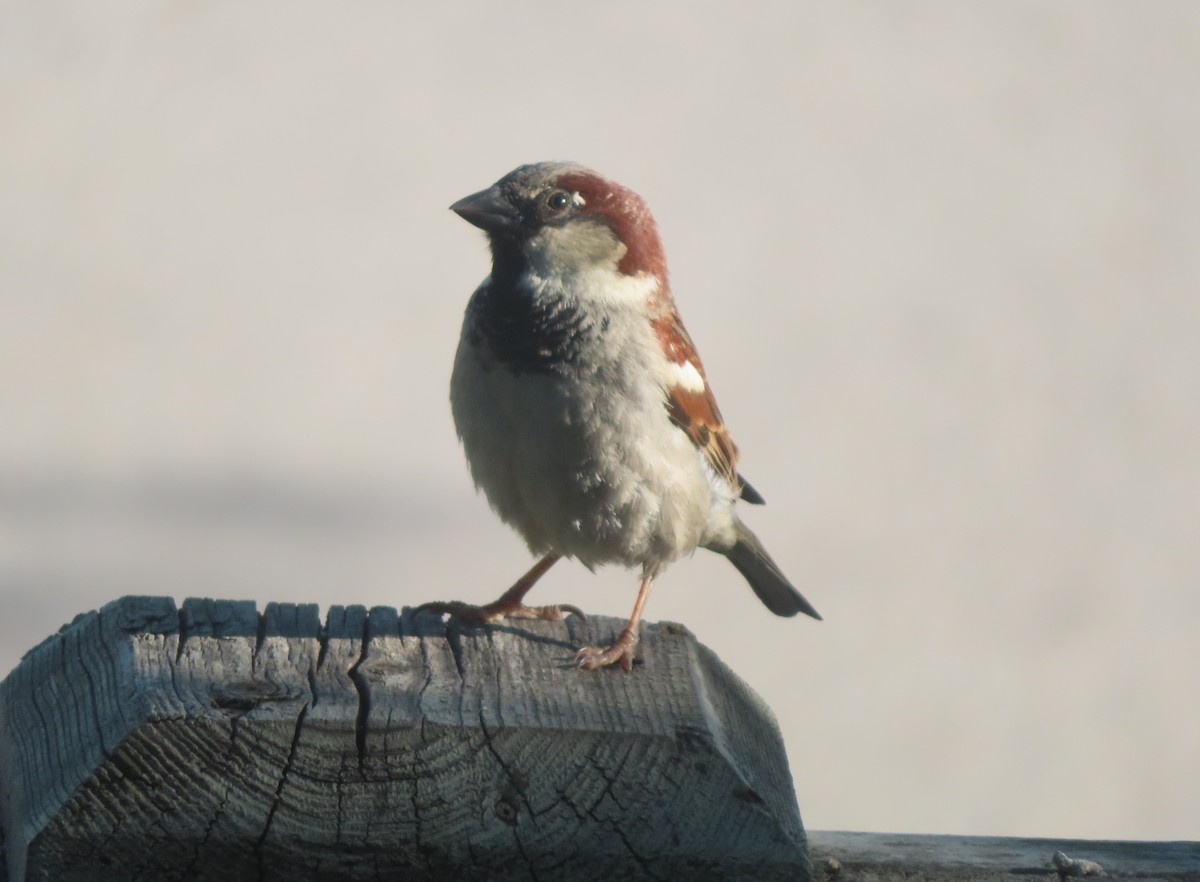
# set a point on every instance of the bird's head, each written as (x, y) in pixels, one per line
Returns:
(560, 219)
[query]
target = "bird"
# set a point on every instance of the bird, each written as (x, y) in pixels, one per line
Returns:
(583, 408)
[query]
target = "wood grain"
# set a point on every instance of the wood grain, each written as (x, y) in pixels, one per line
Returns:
(210, 741)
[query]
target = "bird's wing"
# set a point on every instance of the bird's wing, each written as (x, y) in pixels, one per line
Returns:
(692, 407)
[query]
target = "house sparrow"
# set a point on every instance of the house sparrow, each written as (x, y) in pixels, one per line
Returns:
(582, 405)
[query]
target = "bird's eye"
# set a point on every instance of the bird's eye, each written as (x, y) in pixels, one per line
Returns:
(558, 200)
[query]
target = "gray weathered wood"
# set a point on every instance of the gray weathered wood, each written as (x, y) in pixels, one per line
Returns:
(211, 742)
(890, 857)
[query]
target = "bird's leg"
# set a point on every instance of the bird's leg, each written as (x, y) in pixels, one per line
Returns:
(509, 604)
(620, 650)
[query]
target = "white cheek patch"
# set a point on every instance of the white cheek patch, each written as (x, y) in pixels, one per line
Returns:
(687, 376)
(577, 199)
(610, 287)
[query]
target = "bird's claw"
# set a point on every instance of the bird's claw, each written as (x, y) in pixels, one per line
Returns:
(566, 609)
(619, 652)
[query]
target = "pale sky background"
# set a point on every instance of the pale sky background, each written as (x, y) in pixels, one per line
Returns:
(942, 261)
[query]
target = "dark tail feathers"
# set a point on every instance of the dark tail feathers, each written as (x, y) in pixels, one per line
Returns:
(771, 585)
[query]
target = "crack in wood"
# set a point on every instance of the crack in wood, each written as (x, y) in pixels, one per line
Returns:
(359, 679)
(202, 843)
(311, 676)
(454, 641)
(259, 849)
(322, 643)
(260, 638)
(183, 636)
(643, 862)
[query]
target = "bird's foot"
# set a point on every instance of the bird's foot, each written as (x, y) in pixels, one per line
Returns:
(620, 651)
(497, 610)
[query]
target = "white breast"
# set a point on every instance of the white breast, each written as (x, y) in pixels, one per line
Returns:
(585, 461)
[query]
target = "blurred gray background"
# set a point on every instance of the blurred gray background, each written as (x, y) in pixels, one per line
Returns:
(942, 261)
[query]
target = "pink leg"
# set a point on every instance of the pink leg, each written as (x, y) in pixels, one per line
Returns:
(620, 650)
(509, 604)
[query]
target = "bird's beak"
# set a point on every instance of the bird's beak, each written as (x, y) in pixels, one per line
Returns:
(488, 210)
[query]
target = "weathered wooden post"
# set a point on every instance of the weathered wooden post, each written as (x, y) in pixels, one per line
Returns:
(214, 743)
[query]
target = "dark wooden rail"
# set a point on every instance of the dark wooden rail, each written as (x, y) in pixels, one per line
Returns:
(889, 857)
